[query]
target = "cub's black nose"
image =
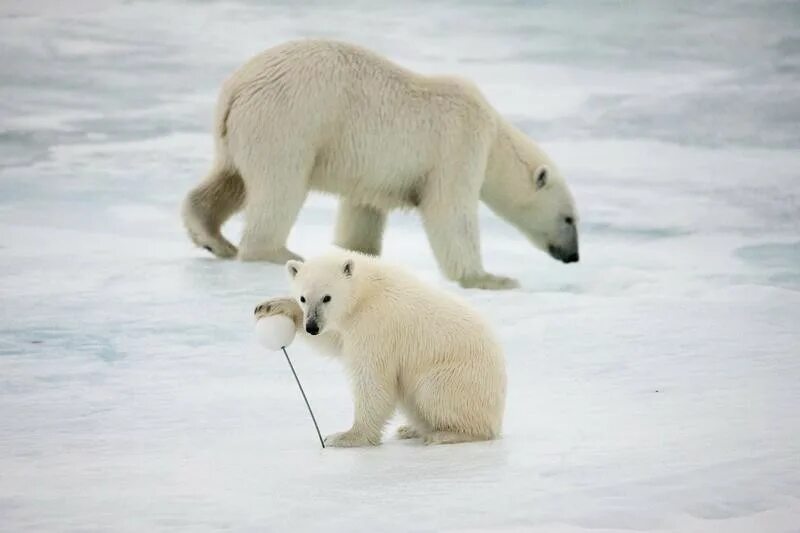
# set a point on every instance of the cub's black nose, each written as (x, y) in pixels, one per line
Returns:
(312, 328)
(572, 258)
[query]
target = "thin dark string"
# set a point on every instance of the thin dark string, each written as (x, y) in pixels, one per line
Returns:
(304, 395)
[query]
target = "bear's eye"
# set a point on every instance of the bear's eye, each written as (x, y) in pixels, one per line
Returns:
(302, 299)
(569, 220)
(326, 298)
(541, 177)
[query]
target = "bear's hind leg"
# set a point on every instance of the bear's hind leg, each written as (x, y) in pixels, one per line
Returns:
(359, 228)
(209, 205)
(273, 203)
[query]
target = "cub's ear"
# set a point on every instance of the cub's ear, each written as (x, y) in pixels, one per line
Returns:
(293, 267)
(347, 269)
(540, 176)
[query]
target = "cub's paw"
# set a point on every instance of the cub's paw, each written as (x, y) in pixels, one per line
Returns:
(449, 437)
(349, 439)
(280, 306)
(489, 282)
(408, 432)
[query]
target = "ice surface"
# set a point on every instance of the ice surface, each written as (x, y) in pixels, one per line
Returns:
(653, 386)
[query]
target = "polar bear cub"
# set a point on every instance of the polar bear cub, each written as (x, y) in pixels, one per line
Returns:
(404, 344)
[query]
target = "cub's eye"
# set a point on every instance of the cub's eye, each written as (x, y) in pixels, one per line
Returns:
(302, 299)
(326, 298)
(569, 220)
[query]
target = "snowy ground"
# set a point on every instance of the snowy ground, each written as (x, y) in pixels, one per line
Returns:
(654, 386)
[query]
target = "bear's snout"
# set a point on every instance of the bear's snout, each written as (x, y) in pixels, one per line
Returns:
(564, 255)
(571, 258)
(312, 328)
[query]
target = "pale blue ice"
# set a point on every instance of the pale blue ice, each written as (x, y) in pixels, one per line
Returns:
(653, 386)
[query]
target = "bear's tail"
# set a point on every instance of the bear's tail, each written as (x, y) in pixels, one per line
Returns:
(225, 102)
(222, 192)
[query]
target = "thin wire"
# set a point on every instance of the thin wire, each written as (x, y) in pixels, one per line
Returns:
(304, 396)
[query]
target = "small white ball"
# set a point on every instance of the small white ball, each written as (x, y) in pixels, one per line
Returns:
(275, 332)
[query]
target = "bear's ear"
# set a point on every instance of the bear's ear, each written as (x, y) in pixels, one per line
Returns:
(540, 176)
(347, 269)
(293, 267)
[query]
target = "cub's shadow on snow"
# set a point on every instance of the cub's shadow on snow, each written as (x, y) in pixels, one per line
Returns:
(476, 460)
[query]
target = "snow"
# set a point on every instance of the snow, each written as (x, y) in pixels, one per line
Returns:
(654, 386)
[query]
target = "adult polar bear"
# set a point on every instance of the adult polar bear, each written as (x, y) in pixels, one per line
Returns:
(333, 117)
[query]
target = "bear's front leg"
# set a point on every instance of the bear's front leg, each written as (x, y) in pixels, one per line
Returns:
(455, 238)
(375, 400)
(484, 280)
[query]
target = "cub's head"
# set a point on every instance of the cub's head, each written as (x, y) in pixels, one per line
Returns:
(323, 288)
(525, 188)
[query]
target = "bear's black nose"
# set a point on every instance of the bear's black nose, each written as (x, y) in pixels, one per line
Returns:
(312, 328)
(564, 255)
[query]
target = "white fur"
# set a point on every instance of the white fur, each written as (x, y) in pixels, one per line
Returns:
(404, 344)
(333, 117)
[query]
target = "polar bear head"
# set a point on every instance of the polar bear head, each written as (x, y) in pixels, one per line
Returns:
(524, 187)
(324, 289)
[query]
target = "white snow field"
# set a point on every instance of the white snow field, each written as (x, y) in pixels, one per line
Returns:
(654, 386)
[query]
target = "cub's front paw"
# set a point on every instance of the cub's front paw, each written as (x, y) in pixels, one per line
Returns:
(280, 306)
(489, 282)
(349, 439)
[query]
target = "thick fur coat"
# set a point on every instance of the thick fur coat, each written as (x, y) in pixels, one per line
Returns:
(404, 344)
(332, 117)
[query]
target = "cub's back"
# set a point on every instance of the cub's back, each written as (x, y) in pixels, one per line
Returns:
(423, 315)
